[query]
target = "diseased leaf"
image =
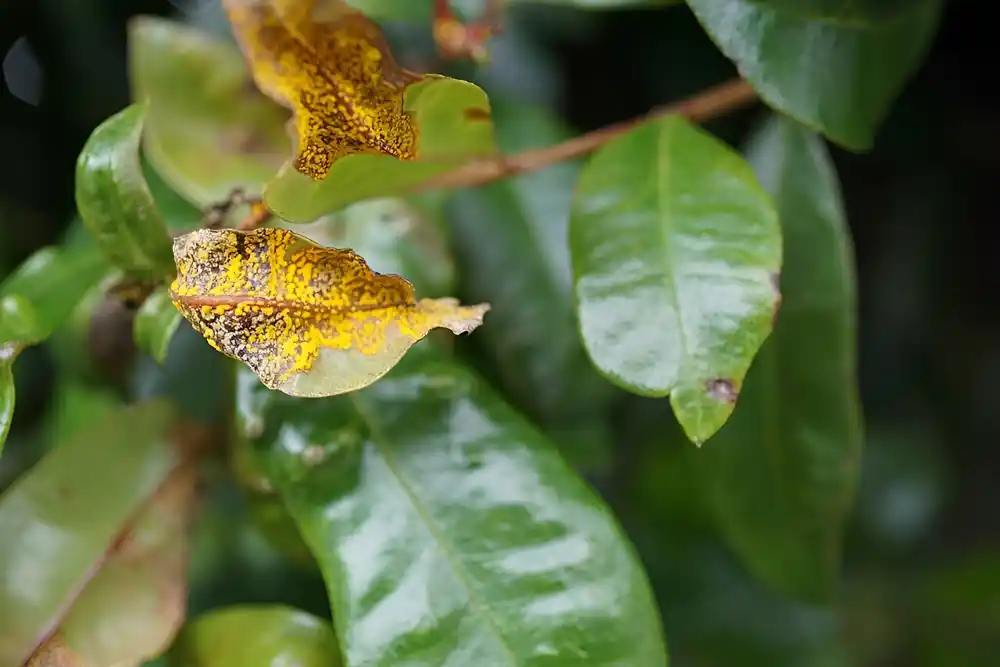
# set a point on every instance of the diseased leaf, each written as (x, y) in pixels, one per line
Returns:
(835, 65)
(155, 324)
(309, 321)
(114, 202)
(208, 129)
(365, 127)
(256, 636)
(780, 476)
(59, 519)
(511, 243)
(449, 530)
(675, 250)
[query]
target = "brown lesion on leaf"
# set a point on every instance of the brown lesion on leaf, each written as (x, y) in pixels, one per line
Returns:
(330, 65)
(476, 114)
(723, 390)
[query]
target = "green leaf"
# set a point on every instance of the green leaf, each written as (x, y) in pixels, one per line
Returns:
(6, 397)
(43, 291)
(131, 609)
(781, 475)
(453, 120)
(675, 251)
(835, 65)
(208, 130)
(448, 529)
(114, 201)
(531, 334)
(155, 324)
(394, 236)
(256, 636)
(60, 519)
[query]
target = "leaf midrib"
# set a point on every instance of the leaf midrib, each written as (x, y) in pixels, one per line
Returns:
(437, 534)
(284, 304)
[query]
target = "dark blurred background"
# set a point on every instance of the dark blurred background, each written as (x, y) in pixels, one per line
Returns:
(922, 580)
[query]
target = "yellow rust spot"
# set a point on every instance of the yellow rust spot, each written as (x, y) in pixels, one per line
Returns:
(331, 65)
(293, 299)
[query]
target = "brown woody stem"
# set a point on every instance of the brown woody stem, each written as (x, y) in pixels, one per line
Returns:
(707, 104)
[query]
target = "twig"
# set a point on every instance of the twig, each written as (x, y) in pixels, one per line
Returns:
(706, 105)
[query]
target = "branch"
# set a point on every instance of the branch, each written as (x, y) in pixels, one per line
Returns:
(706, 105)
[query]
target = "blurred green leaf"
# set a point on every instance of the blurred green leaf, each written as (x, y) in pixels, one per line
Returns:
(426, 498)
(114, 201)
(394, 236)
(59, 520)
(675, 251)
(155, 324)
(208, 129)
(471, 9)
(42, 292)
(835, 65)
(780, 477)
(76, 406)
(256, 636)
(6, 398)
(131, 610)
(454, 125)
(510, 238)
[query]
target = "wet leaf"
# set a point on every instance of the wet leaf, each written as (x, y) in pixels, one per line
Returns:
(780, 476)
(309, 321)
(675, 248)
(511, 243)
(835, 65)
(448, 529)
(60, 519)
(131, 609)
(256, 636)
(208, 129)
(365, 127)
(155, 324)
(114, 202)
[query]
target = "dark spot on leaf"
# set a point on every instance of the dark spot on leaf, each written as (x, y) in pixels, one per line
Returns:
(722, 390)
(476, 113)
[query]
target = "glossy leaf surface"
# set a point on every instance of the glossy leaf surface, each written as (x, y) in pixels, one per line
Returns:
(208, 130)
(364, 126)
(511, 242)
(780, 476)
(256, 636)
(59, 520)
(675, 250)
(155, 324)
(113, 200)
(450, 532)
(835, 65)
